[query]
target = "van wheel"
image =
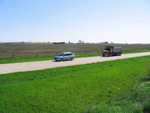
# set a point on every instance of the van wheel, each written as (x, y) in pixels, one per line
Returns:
(61, 59)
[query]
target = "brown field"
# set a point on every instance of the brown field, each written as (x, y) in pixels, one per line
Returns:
(19, 50)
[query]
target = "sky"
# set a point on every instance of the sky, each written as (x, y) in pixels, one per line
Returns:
(92, 21)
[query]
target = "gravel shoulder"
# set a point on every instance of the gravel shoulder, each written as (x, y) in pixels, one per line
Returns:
(39, 65)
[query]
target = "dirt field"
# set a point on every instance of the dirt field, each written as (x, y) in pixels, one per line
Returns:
(20, 50)
(30, 66)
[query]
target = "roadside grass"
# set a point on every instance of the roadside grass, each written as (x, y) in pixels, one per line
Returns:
(107, 87)
(87, 55)
(137, 100)
(30, 59)
(136, 51)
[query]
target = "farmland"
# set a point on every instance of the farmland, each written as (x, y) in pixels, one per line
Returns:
(28, 50)
(120, 86)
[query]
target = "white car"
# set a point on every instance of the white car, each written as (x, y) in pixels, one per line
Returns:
(64, 56)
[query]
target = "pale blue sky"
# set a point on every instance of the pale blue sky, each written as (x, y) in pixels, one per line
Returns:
(119, 21)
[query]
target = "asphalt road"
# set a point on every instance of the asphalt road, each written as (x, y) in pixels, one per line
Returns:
(39, 65)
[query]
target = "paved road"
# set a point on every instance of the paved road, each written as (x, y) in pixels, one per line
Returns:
(39, 65)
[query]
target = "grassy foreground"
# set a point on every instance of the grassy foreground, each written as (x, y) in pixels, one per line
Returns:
(118, 86)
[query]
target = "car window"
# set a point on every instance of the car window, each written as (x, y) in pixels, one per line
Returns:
(59, 54)
(68, 54)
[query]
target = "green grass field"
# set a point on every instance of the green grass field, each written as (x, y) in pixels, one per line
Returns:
(120, 86)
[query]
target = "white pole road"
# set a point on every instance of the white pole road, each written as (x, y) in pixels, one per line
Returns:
(39, 65)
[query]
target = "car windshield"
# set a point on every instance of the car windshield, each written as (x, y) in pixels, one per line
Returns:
(59, 54)
(107, 49)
